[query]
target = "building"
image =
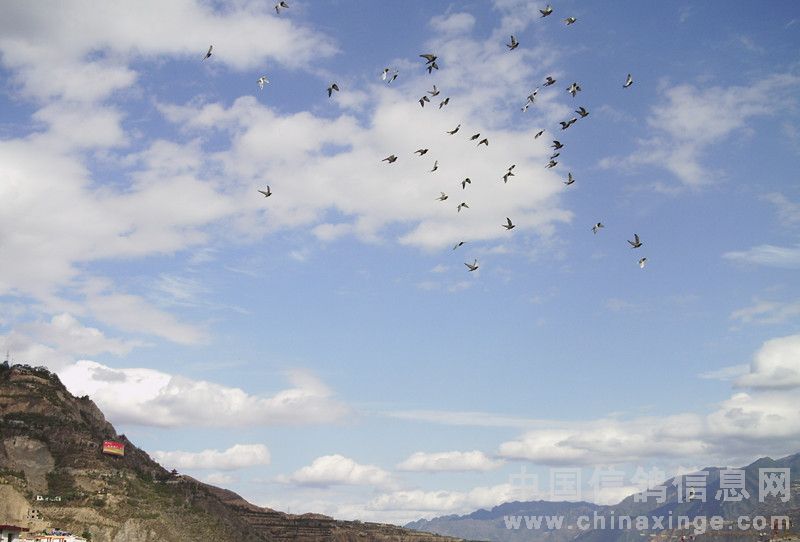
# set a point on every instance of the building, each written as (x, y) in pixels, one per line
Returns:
(58, 536)
(10, 533)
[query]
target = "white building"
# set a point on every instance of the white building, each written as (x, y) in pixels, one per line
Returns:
(10, 533)
(61, 537)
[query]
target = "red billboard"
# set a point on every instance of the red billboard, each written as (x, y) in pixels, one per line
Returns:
(113, 448)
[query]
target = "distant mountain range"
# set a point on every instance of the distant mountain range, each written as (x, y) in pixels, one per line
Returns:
(54, 474)
(498, 524)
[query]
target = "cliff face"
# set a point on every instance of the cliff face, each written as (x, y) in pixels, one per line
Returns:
(53, 474)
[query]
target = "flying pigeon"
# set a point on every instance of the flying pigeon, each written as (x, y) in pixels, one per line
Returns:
(454, 130)
(570, 20)
(435, 166)
(628, 81)
(570, 179)
(385, 75)
(420, 151)
(391, 158)
(444, 102)
(331, 88)
(280, 5)
(551, 164)
(514, 43)
(557, 144)
(530, 99)
(549, 81)
(642, 262)
(582, 111)
(636, 243)
(262, 81)
(208, 54)
(474, 137)
(508, 225)
(462, 204)
(423, 100)
(442, 197)
(465, 182)
(472, 266)
(484, 141)
(555, 155)
(573, 89)
(546, 11)
(430, 62)
(508, 174)
(511, 167)
(597, 227)
(434, 92)
(460, 243)
(540, 132)
(267, 193)
(567, 124)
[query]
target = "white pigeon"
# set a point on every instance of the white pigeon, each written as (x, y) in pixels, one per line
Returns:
(597, 227)
(642, 262)
(262, 81)
(628, 81)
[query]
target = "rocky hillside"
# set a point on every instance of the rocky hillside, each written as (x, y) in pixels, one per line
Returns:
(53, 474)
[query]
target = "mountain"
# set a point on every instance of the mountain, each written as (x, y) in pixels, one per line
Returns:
(53, 474)
(497, 524)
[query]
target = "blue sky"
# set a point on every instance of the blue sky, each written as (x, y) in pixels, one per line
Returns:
(325, 349)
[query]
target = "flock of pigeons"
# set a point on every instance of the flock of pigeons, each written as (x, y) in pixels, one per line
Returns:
(389, 75)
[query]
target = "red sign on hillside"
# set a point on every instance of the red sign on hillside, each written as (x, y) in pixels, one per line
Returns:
(113, 448)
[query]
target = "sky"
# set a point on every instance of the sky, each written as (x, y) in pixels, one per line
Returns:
(326, 349)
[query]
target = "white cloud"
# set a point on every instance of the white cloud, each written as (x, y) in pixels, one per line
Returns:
(689, 119)
(67, 334)
(150, 397)
(449, 461)
(726, 373)
(59, 341)
(454, 23)
(776, 365)
(610, 441)
(336, 469)
(58, 216)
(238, 456)
(767, 312)
(429, 503)
(49, 58)
(768, 255)
(269, 147)
(788, 211)
(738, 429)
